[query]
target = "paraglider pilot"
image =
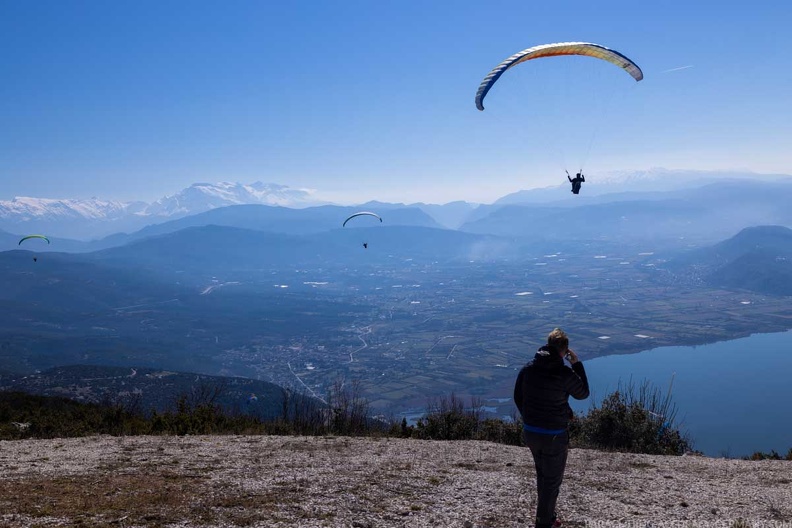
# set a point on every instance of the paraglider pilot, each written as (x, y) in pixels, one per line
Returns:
(576, 181)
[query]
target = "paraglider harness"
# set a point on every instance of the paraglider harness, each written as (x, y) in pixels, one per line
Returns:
(576, 181)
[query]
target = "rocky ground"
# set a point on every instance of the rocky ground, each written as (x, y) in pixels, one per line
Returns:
(225, 481)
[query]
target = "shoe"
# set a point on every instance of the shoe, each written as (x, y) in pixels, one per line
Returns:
(555, 523)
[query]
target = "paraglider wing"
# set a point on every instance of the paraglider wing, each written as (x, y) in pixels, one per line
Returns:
(33, 236)
(553, 50)
(362, 213)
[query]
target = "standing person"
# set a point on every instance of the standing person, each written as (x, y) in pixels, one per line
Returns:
(541, 394)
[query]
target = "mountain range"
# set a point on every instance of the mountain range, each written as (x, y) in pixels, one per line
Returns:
(151, 389)
(633, 185)
(95, 218)
(92, 218)
(697, 215)
(686, 217)
(757, 259)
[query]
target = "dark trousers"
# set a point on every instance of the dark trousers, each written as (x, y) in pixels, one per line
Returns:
(550, 456)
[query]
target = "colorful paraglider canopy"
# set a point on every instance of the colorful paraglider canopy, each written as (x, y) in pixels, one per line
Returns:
(587, 49)
(33, 236)
(362, 213)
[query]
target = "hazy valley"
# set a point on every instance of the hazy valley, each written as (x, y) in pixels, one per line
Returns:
(288, 297)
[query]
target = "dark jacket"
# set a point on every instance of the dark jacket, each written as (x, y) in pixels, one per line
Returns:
(543, 388)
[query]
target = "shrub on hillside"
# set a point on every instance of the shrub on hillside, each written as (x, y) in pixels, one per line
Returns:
(28, 416)
(637, 420)
(772, 455)
(500, 431)
(448, 419)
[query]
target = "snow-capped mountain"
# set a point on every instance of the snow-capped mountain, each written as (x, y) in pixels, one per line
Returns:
(200, 197)
(24, 208)
(93, 218)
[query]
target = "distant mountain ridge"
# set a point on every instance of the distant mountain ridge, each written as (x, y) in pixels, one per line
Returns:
(776, 240)
(76, 221)
(700, 215)
(23, 208)
(151, 389)
(275, 219)
(69, 218)
(200, 197)
(630, 185)
(757, 259)
(93, 217)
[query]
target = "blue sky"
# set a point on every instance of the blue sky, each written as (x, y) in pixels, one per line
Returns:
(374, 99)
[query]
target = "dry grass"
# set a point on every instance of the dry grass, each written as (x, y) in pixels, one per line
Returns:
(151, 499)
(100, 500)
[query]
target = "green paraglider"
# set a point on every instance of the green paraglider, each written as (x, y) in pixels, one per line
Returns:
(33, 236)
(35, 259)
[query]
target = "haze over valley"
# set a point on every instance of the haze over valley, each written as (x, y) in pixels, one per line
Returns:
(288, 297)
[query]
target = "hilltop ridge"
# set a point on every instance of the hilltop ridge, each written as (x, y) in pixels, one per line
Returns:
(228, 481)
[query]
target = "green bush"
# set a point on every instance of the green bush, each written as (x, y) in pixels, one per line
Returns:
(500, 431)
(639, 420)
(28, 416)
(449, 420)
(772, 455)
(636, 420)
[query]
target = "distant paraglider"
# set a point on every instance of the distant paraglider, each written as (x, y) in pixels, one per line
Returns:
(33, 236)
(28, 237)
(362, 213)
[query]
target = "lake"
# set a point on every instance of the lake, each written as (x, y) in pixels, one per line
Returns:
(734, 397)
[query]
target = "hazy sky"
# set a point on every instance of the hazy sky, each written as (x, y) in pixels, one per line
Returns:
(374, 99)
